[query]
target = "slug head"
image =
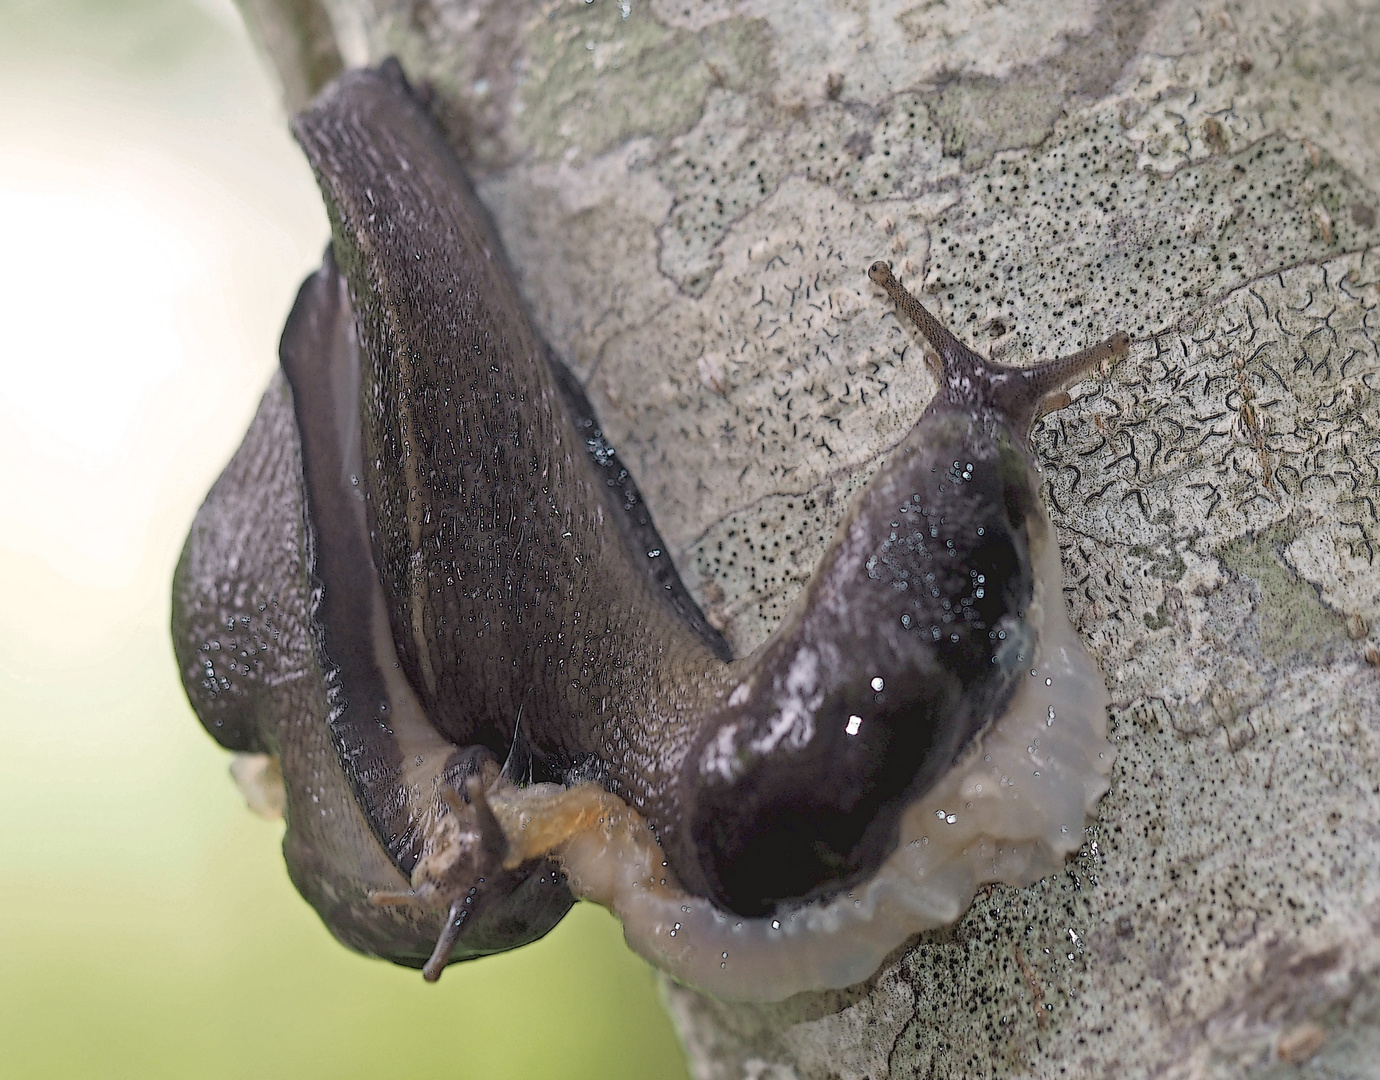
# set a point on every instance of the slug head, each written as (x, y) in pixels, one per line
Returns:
(1017, 395)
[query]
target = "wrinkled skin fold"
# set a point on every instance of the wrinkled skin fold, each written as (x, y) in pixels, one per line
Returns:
(426, 583)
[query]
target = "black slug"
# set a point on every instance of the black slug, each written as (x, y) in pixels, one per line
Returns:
(427, 589)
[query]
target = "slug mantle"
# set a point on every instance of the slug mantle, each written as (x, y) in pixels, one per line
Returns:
(428, 589)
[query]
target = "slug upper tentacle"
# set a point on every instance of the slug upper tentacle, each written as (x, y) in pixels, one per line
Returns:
(464, 572)
(1018, 393)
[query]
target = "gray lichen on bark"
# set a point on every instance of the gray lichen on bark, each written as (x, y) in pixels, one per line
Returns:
(691, 191)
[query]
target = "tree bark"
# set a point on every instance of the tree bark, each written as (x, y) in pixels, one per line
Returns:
(691, 192)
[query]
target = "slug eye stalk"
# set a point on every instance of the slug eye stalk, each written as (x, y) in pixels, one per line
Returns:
(1021, 394)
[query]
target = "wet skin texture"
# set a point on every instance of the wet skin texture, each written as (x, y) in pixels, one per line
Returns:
(426, 573)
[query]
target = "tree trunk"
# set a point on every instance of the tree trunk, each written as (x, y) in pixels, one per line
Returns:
(691, 192)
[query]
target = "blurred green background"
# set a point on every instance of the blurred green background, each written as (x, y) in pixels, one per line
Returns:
(155, 220)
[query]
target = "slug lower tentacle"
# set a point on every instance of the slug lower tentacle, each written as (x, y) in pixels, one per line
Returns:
(428, 588)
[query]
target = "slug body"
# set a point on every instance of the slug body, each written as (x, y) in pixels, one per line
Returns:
(428, 589)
